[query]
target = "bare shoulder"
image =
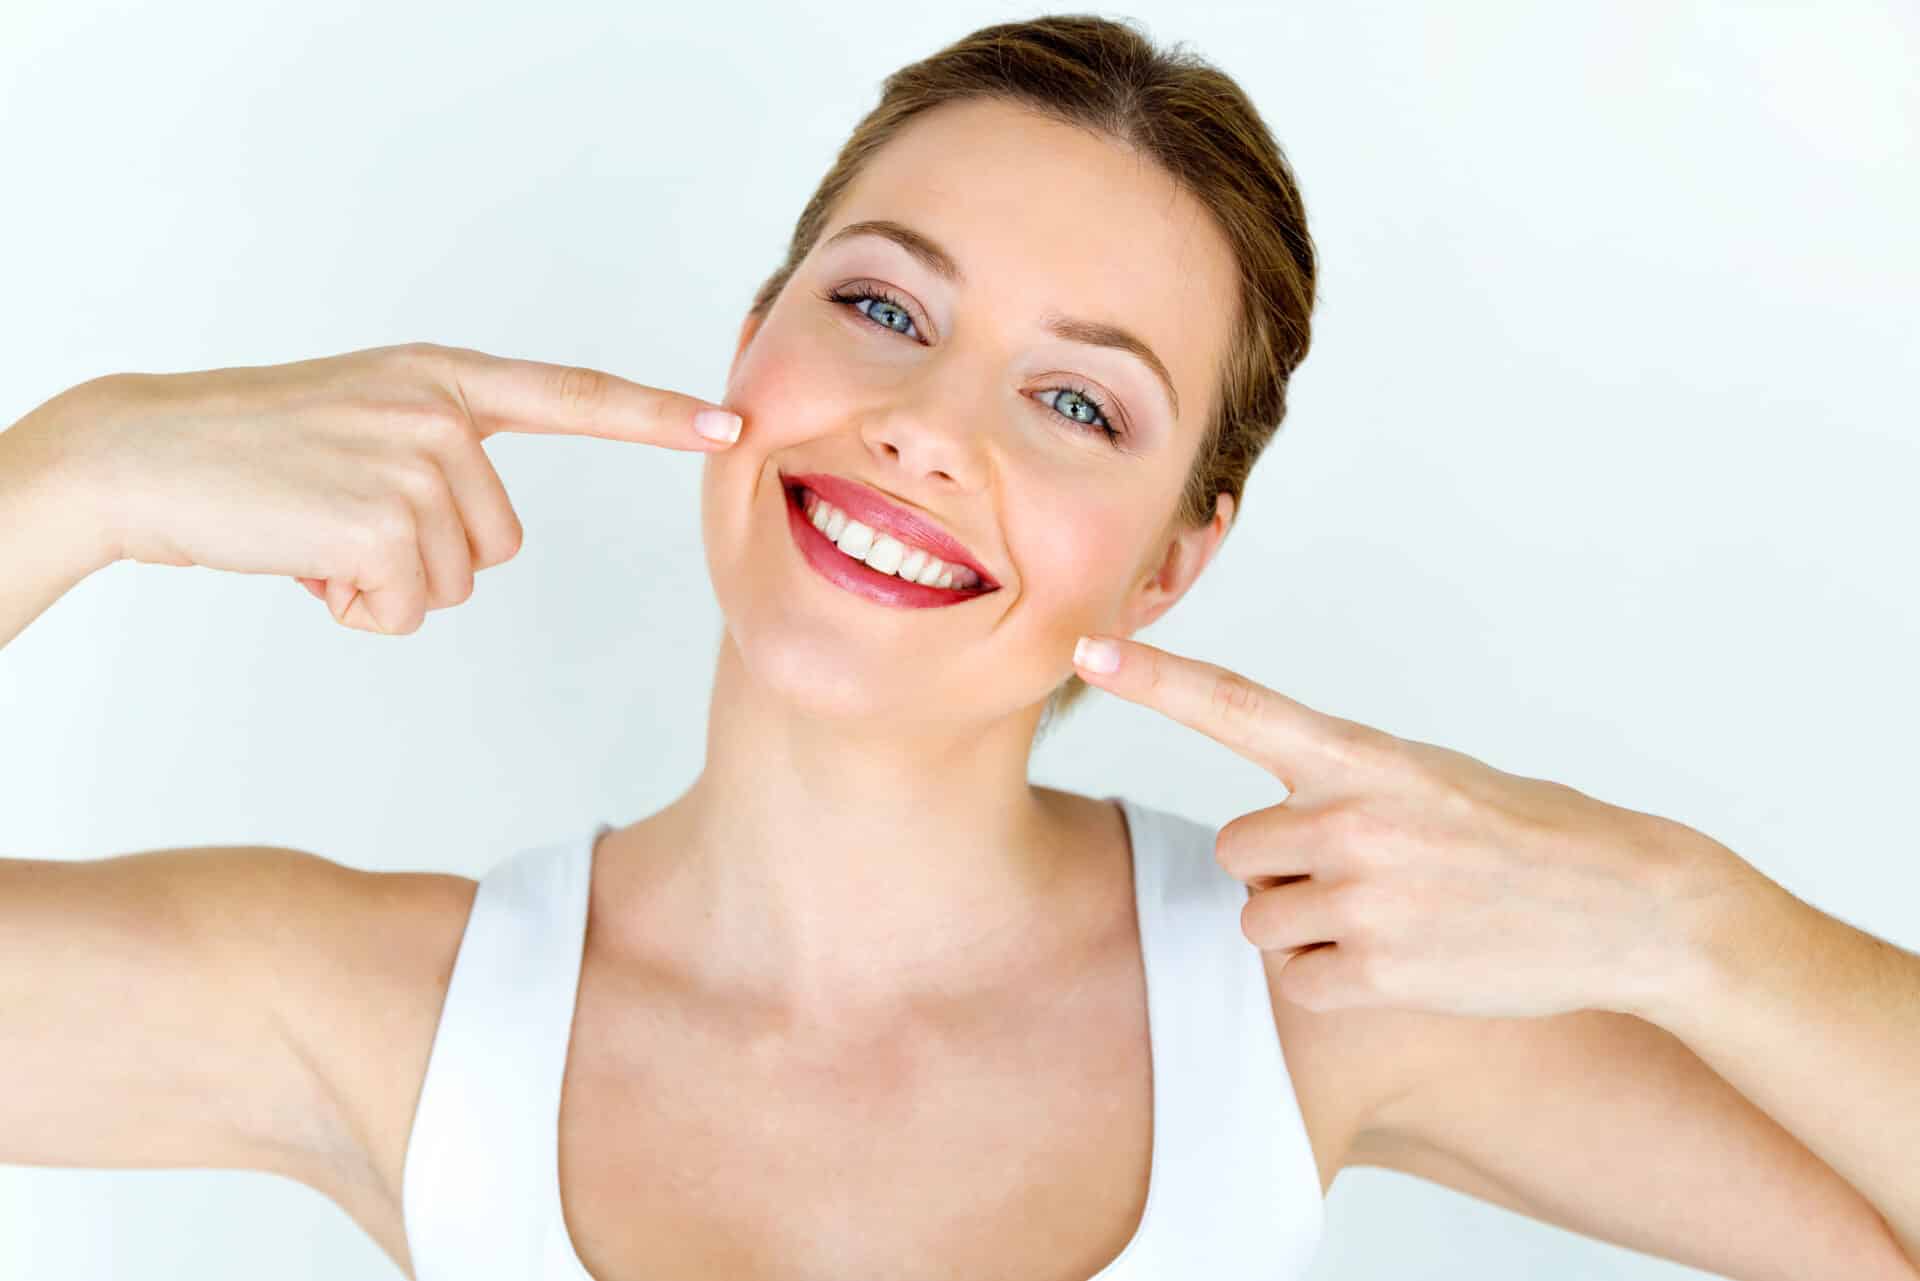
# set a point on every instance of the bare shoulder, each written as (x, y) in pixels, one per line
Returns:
(1343, 1064)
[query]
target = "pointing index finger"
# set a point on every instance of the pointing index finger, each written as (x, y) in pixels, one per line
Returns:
(1286, 738)
(506, 394)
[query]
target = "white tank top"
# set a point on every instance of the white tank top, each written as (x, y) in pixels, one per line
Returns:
(1232, 1193)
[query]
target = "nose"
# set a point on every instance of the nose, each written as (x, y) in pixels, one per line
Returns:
(923, 442)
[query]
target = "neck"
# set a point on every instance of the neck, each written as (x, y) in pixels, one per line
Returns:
(836, 869)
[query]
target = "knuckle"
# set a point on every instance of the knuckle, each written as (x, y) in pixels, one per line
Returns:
(447, 427)
(413, 355)
(417, 478)
(1236, 848)
(389, 526)
(1360, 746)
(498, 542)
(1253, 920)
(1226, 848)
(580, 388)
(1450, 801)
(414, 599)
(1233, 697)
(445, 590)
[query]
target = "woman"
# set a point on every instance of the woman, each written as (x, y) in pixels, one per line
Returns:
(864, 998)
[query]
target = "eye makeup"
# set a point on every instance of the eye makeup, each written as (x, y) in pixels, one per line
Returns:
(850, 296)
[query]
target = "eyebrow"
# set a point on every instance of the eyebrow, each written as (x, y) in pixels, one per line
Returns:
(1093, 333)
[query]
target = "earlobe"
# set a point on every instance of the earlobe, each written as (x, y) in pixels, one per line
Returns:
(1187, 552)
(1192, 548)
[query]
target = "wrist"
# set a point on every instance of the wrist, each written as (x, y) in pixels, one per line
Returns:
(1721, 915)
(56, 489)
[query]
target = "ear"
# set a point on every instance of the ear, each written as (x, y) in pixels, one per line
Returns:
(1186, 552)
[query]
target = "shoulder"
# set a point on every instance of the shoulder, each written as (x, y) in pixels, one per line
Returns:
(1344, 1064)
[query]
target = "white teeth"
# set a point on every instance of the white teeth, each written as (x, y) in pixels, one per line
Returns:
(883, 552)
(855, 539)
(886, 553)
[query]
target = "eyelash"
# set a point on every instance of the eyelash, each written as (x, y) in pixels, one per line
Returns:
(863, 293)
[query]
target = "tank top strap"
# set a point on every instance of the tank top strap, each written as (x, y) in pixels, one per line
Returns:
(483, 1149)
(1234, 1191)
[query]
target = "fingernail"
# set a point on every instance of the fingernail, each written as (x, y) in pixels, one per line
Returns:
(1096, 655)
(717, 424)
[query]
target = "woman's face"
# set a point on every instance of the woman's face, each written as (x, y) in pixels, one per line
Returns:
(954, 401)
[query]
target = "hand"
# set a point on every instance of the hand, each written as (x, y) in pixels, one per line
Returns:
(361, 474)
(1398, 873)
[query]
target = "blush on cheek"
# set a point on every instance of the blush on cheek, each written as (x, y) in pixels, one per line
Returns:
(1083, 558)
(787, 387)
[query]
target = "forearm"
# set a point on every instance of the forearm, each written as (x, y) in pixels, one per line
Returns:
(1818, 1024)
(51, 535)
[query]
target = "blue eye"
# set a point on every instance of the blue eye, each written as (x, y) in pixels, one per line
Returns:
(888, 312)
(890, 308)
(1094, 406)
(885, 304)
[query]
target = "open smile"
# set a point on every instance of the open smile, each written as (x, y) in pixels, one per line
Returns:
(835, 561)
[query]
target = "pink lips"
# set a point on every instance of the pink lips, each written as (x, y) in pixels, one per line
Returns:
(857, 577)
(865, 505)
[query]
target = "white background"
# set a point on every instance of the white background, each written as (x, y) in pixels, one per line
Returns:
(1601, 467)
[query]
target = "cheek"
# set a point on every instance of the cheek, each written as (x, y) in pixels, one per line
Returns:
(1077, 560)
(784, 395)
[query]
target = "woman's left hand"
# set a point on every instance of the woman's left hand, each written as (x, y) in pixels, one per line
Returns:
(1398, 873)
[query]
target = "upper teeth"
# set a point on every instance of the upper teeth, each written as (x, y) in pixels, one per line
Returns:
(884, 552)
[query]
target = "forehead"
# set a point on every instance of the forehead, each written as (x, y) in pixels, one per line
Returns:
(1042, 216)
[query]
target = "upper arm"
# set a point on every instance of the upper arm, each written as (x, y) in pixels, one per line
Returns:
(145, 1007)
(1610, 1126)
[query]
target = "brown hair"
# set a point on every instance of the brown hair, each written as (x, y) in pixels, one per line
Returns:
(1199, 126)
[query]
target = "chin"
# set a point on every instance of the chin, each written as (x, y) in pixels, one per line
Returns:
(819, 676)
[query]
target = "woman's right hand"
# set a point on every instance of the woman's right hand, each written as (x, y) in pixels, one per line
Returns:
(361, 474)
